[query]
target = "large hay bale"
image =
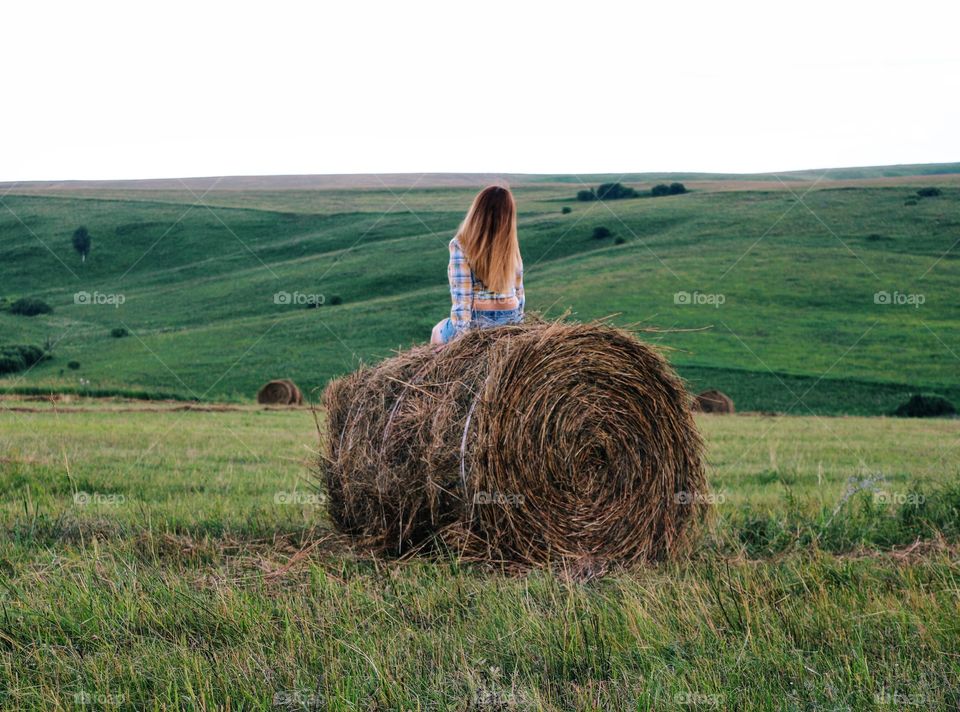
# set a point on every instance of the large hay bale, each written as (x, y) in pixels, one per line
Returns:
(280, 392)
(713, 401)
(523, 443)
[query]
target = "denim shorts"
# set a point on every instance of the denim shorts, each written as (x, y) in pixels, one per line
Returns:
(483, 320)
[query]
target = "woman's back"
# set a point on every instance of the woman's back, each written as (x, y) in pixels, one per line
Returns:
(460, 272)
(485, 271)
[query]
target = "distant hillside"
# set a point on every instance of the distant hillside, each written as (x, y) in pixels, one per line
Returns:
(425, 180)
(864, 173)
(771, 299)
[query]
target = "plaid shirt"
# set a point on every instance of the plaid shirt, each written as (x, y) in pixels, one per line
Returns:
(465, 287)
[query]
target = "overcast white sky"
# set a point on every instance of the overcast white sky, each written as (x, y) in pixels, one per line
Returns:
(131, 90)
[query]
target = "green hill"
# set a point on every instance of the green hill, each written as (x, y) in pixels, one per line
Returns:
(780, 286)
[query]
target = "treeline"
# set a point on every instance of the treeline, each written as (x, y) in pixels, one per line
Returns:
(618, 191)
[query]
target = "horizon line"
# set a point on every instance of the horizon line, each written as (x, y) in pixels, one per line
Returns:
(520, 174)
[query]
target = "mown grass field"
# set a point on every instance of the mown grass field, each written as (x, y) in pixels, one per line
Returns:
(767, 293)
(180, 560)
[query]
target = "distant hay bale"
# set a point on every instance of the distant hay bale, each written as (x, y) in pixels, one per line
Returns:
(526, 444)
(280, 392)
(713, 401)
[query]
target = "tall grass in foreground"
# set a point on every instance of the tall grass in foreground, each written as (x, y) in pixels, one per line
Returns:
(146, 562)
(154, 625)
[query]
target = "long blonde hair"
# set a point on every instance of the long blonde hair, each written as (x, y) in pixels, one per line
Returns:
(488, 237)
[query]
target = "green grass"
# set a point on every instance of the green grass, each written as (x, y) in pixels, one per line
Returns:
(153, 557)
(176, 560)
(798, 330)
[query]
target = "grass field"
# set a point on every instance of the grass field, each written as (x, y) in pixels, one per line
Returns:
(173, 555)
(173, 559)
(778, 283)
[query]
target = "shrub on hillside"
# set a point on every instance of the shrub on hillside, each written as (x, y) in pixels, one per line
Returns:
(19, 357)
(10, 362)
(601, 233)
(663, 189)
(28, 306)
(566, 210)
(336, 299)
(929, 192)
(615, 191)
(911, 201)
(925, 406)
(118, 332)
(619, 241)
(608, 191)
(73, 365)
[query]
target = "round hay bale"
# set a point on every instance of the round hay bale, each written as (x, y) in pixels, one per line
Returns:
(280, 392)
(526, 443)
(713, 401)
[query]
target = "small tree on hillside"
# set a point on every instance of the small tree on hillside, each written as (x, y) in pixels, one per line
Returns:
(81, 242)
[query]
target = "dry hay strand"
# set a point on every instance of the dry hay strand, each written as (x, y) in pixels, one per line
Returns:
(713, 401)
(280, 392)
(521, 444)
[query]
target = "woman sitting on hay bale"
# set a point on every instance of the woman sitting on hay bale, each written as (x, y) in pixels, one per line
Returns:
(485, 271)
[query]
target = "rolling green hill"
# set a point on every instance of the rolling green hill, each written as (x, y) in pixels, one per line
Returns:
(771, 295)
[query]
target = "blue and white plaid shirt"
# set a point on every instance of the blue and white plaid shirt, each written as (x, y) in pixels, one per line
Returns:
(467, 288)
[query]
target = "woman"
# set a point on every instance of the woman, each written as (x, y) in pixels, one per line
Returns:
(485, 272)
